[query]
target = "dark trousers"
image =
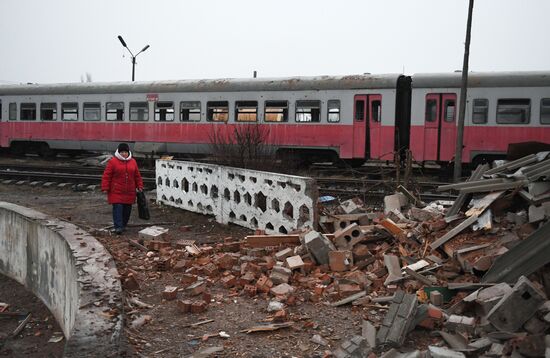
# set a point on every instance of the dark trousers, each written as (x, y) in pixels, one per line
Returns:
(121, 215)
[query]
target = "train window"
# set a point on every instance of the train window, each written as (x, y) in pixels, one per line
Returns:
(376, 110)
(308, 111)
(114, 111)
(431, 110)
(92, 111)
(480, 111)
(164, 111)
(359, 110)
(69, 111)
(13, 111)
(246, 111)
(449, 110)
(139, 111)
(190, 111)
(276, 111)
(545, 111)
(333, 111)
(217, 111)
(28, 111)
(513, 111)
(48, 111)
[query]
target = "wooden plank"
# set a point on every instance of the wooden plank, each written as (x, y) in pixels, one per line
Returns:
(392, 227)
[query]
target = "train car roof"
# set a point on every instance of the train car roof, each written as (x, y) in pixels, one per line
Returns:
(365, 81)
(482, 79)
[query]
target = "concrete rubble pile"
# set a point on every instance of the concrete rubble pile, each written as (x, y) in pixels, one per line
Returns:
(473, 273)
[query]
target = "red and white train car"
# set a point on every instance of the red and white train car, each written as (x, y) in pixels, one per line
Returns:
(501, 108)
(350, 117)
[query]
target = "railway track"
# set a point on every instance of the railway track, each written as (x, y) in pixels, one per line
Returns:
(363, 187)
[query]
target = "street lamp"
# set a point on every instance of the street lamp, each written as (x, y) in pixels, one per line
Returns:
(133, 57)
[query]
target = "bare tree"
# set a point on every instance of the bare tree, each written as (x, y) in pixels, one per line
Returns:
(243, 146)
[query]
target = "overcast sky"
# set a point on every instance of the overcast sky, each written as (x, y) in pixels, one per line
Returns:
(52, 41)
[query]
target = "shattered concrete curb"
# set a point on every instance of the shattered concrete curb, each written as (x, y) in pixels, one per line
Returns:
(71, 272)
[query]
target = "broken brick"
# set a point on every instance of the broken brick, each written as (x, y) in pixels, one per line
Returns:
(206, 296)
(231, 246)
(229, 281)
(294, 262)
(130, 283)
(180, 266)
(250, 290)
(184, 306)
(264, 284)
(280, 274)
(210, 270)
(187, 279)
(340, 261)
(347, 290)
(319, 289)
(282, 289)
(157, 245)
(361, 252)
(247, 278)
(226, 261)
(162, 264)
(198, 306)
(197, 288)
(283, 254)
(170, 293)
(280, 316)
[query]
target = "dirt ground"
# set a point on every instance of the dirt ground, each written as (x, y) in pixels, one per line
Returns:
(168, 332)
(166, 335)
(33, 341)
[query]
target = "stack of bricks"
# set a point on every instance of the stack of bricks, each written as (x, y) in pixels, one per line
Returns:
(162, 264)
(398, 320)
(356, 347)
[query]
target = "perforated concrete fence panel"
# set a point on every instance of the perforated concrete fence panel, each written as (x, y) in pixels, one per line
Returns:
(254, 199)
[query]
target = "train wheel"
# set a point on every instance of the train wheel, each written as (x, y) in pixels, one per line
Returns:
(355, 163)
(46, 152)
(17, 148)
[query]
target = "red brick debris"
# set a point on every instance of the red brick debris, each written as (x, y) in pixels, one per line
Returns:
(421, 266)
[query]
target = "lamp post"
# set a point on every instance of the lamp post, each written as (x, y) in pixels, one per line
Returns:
(133, 56)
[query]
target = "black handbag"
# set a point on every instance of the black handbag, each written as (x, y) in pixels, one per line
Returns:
(143, 207)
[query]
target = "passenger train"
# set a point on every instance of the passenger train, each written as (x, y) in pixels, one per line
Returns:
(353, 118)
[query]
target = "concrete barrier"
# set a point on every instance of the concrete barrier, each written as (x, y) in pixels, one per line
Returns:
(276, 203)
(71, 272)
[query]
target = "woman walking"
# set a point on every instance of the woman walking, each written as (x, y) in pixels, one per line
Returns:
(120, 181)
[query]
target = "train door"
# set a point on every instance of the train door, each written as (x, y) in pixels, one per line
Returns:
(366, 124)
(440, 126)
(360, 127)
(375, 117)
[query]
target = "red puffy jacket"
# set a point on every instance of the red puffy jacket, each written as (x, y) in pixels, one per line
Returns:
(120, 180)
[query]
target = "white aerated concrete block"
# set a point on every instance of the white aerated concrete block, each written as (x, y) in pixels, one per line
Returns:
(273, 202)
(152, 233)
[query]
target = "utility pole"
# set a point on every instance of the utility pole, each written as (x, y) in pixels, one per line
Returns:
(463, 94)
(133, 56)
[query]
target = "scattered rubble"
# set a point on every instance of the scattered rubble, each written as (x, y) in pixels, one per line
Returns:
(474, 272)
